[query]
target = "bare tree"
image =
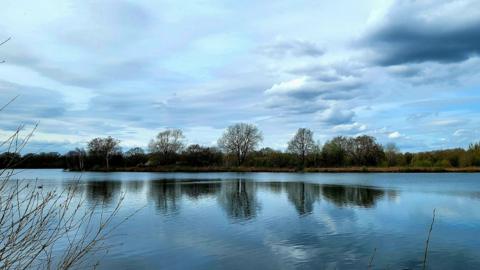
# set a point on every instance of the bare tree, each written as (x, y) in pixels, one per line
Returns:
(167, 143)
(365, 151)
(76, 159)
(240, 140)
(302, 144)
(391, 153)
(104, 147)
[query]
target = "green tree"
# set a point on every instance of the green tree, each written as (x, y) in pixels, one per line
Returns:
(365, 151)
(334, 152)
(196, 155)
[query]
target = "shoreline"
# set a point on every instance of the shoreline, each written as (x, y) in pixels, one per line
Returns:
(291, 170)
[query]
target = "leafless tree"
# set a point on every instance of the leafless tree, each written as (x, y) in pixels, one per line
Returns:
(302, 144)
(76, 158)
(104, 147)
(240, 140)
(391, 152)
(167, 143)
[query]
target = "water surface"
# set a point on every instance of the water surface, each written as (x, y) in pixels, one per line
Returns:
(284, 220)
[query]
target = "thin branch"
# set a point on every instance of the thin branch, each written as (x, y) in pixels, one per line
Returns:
(1, 43)
(33, 221)
(370, 263)
(8, 103)
(428, 241)
(5, 41)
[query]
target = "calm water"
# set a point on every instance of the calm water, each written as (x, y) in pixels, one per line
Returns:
(285, 220)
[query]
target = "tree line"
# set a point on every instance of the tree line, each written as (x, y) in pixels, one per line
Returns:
(239, 146)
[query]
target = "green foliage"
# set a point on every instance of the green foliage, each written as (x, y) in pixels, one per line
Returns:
(334, 152)
(199, 156)
(349, 151)
(168, 149)
(269, 158)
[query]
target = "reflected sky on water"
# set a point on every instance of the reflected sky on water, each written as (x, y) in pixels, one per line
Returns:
(284, 220)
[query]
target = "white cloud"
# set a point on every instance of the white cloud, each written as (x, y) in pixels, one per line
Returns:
(394, 135)
(143, 66)
(350, 128)
(288, 87)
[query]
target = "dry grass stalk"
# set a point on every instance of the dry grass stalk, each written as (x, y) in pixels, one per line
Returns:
(36, 222)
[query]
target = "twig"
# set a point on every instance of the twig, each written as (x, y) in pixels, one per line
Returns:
(1, 43)
(33, 221)
(5, 41)
(428, 241)
(8, 103)
(370, 263)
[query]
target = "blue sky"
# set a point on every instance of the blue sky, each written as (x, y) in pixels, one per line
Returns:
(403, 71)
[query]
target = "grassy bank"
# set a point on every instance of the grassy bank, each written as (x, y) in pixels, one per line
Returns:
(260, 169)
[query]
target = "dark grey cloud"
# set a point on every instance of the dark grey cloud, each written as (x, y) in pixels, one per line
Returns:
(32, 103)
(427, 73)
(417, 31)
(336, 116)
(316, 87)
(83, 74)
(306, 88)
(297, 48)
(288, 106)
(405, 71)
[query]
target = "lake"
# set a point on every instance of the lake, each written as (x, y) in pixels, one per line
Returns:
(284, 220)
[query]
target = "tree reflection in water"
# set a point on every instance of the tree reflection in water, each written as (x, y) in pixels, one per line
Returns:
(166, 196)
(352, 196)
(200, 189)
(134, 186)
(103, 192)
(302, 196)
(239, 199)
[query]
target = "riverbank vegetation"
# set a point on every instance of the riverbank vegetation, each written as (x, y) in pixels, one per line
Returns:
(238, 150)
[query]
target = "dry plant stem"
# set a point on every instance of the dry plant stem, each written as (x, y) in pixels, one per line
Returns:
(5, 41)
(1, 43)
(428, 241)
(33, 221)
(12, 100)
(370, 263)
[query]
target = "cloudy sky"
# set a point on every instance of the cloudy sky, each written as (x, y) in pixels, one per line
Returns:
(403, 71)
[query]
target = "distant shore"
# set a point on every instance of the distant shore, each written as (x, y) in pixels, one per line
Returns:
(307, 170)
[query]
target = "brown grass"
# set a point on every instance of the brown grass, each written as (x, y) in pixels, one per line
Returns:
(307, 170)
